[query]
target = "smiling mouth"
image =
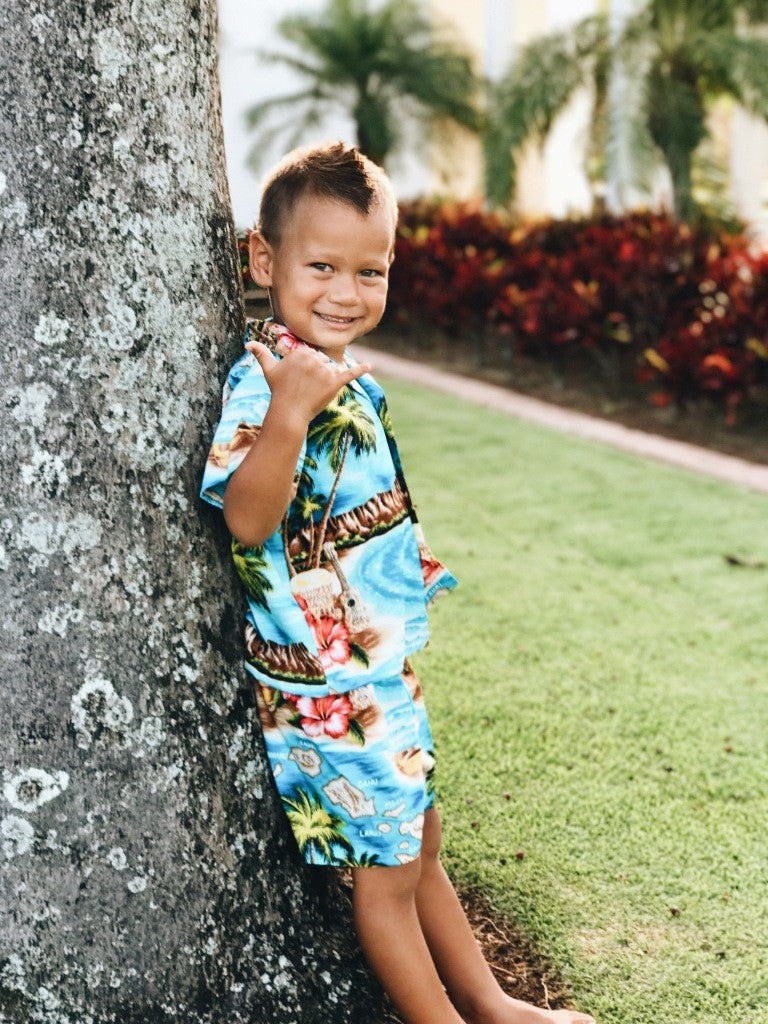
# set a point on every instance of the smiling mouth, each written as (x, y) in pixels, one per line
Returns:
(342, 321)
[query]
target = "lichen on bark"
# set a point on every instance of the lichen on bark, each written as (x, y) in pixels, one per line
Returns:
(145, 872)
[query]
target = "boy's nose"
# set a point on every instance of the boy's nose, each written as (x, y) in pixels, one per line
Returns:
(344, 290)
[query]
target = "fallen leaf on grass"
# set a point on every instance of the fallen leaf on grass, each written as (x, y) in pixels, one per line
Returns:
(744, 563)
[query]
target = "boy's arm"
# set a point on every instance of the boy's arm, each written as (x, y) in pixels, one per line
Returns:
(302, 383)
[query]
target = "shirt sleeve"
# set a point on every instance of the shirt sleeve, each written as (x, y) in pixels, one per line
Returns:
(245, 403)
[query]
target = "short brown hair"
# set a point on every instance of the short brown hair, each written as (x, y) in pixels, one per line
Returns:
(332, 171)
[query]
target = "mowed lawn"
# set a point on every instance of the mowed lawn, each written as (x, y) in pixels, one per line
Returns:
(598, 687)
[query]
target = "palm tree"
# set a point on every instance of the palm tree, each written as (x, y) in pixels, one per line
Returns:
(316, 829)
(382, 64)
(342, 425)
(250, 564)
(302, 508)
(675, 57)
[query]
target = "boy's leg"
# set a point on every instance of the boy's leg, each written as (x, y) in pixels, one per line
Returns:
(388, 928)
(456, 953)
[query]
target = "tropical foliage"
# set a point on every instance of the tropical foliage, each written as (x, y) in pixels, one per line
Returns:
(317, 831)
(642, 299)
(384, 65)
(341, 426)
(250, 565)
(671, 59)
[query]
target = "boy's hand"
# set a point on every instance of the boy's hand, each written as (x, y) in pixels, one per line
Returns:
(305, 380)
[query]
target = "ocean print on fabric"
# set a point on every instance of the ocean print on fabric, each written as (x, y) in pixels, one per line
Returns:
(337, 596)
(354, 770)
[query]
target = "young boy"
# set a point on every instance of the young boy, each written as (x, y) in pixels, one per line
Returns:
(326, 541)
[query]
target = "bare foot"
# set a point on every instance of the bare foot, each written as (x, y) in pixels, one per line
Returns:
(515, 1011)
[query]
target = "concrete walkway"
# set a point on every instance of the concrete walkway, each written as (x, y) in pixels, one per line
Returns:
(752, 475)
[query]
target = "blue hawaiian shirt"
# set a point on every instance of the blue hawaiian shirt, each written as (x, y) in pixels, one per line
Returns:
(337, 596)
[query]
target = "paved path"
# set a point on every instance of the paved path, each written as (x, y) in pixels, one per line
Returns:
(752, 475)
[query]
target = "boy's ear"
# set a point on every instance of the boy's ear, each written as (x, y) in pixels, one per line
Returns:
(260, 259)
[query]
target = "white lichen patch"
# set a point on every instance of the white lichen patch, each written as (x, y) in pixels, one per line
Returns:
(117, 859)
(73, 137)
(237, 743)
(111, 54)
(17, 835)
(172, 773)
(45, 471)
(32, 403)
(16, 212)
(157, 176)
(5, 560)
(39, 23)
(58, 619)
(3, 182)
(12, 974)
(80, 533)
(119, 329)
(51, 330)
(48, 1002)
(246, 777)
(136, 884)
(31, 788)
(151, 732)
(147, 736)
(96, 707)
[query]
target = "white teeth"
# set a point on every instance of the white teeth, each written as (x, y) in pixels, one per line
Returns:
(337, 319)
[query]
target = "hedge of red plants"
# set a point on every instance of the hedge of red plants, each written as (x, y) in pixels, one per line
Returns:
(678, 310)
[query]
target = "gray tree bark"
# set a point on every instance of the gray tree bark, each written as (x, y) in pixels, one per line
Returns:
(145, 872)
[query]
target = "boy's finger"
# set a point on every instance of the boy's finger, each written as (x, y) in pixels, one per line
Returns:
(353, 372)
(264, 357)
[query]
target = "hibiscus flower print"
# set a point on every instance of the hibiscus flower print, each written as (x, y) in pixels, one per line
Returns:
(325, 715)
(285, 341)
(332, 639)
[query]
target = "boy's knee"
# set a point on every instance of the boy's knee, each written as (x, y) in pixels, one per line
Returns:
(393, 883)
(432, 837)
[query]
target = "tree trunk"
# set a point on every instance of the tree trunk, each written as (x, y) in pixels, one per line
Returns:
(146, 874)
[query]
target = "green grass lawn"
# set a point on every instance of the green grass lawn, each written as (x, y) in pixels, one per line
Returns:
(597, 687)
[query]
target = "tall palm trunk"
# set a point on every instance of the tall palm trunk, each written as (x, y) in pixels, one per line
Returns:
(679, 162)
(318, 534)
(288, 562)
(147, 873)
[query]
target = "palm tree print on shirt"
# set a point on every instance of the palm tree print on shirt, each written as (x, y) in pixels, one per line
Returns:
(300, 513)
(317, 831)
(341, 426)
(250, 564)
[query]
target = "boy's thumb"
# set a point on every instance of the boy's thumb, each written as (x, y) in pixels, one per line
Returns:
(264, 357)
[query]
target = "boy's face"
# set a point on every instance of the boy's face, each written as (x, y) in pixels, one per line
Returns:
(328, 273)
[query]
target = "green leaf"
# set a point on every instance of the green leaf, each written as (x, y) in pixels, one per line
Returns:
(359, 654)
(357, 732)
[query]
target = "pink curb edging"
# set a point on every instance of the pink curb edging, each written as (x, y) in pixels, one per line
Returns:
(729, 468)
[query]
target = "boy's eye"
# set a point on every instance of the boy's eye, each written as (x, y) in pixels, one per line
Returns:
(321, 266)
(371, 273)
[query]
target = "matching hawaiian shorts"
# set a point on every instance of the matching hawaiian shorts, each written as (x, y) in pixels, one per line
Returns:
(354, 770)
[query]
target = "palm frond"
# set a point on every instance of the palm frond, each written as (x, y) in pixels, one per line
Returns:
(255, 115)
(383, 64)
(539, 85)
(736, 65)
